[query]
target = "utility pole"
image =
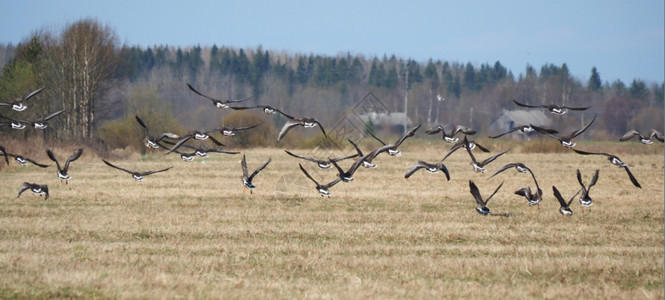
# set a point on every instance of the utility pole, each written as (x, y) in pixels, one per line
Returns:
(406, 99)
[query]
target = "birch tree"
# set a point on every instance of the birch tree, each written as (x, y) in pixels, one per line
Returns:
(78, 70)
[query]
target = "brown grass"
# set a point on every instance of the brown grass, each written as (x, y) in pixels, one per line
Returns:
(191, 232)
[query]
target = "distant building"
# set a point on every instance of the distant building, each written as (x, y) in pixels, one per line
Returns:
(512, 118)
(395, 121)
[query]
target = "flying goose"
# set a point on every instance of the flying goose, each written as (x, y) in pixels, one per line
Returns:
(481, 206)
(392, 148)
(13, 123)
(62, 172)
(566, 141)
(466, 144)
(323, 164)
(565, 206)
(247, 179)
(218, 103)
(298, 121)
(429, 167)
(41, 122)
(532, 198)
(138, 176)
(231, 131)
(367, 163)
(519, 167)
(268, 110)
(615, 160)
(450, 137)
(524, 129)
(186, 156)
(17, 103)
(346, 176)
(151, 142)
(203, 151)
(392, 151)
(479, 166)
(323, 189)
(24, 160)
(198, 135)
(585, 200)
(554, 109)
(39, 189)
(647, 140)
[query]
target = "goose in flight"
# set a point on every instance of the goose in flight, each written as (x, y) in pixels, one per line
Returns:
(246, 178)
(217, 102)
(566, 140)
(533, 198)
(62, 171)
(481, 205)
(298, 121)
(479, 167)
(450, 137)
(17, 103)
(41, 122)
(465, 144)
(39, 189)
(615, 160)
(429, 167)
(323, 164)
(151, 142)
(553, 108)
(323, 189)
(24, 160)
(565, 206)
(585, 200)
(138, 176)
(644, 139)
(524, 129)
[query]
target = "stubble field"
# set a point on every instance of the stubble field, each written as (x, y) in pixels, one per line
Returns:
(191, 232)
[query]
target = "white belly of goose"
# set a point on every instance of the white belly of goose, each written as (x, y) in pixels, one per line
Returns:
(19, 107)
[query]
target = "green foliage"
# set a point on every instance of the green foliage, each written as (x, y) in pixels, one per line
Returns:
(638, 89)
(376, 74)
(119, 134)
(594, 83)
(18, 76)
(470, 78)
(430, 71)
(144, 101)
(17, 79)
(618, 87)
(456, 87)
(415, 76)
(327, 81)
(647, 119)
(392, 79)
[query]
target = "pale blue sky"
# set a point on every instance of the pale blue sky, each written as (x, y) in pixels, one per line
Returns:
(623, 39)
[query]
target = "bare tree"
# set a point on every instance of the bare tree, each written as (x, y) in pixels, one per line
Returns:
(78, 69)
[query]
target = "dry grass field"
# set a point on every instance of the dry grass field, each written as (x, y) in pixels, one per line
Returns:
(192, 233)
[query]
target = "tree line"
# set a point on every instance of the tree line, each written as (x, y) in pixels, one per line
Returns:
(88, 72)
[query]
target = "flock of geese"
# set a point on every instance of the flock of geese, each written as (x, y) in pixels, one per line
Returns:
(188, 151)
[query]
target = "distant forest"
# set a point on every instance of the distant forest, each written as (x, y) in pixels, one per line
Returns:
(103, 84)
